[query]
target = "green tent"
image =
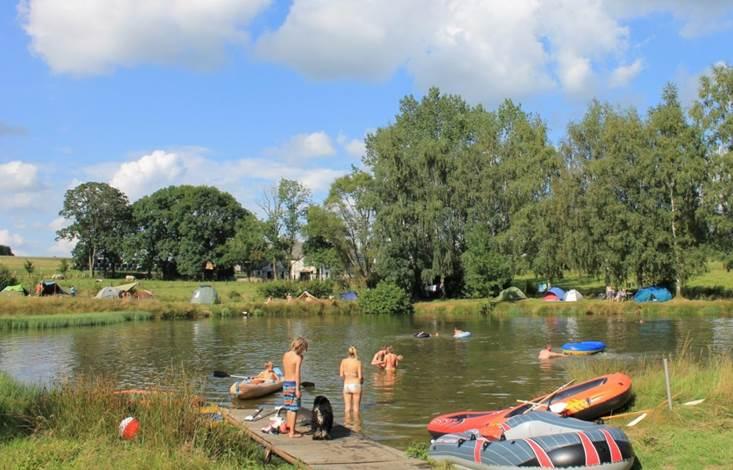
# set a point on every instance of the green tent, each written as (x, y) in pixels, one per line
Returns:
(510, 294)
(205, 295)
(14, 290)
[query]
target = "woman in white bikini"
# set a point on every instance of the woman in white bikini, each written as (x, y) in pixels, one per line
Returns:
(351, 372)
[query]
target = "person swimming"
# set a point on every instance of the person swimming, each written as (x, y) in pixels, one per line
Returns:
(378, 359)
(548, 353)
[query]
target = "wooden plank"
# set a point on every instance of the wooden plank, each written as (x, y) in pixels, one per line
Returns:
(346, 449)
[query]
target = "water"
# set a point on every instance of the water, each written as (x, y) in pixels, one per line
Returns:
(491, 369)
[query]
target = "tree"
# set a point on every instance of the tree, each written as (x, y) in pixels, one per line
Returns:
(324, 245)
(353, 200)
(285, 207)
(179, 228)
(248, 246)
(675, 169)
(712, 113)
(6, 277)
(6, 251)
(488, 271)
(100, 216)
(28, 267)
(63, 266)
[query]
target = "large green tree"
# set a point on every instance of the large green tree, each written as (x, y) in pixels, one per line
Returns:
(248, 247)
(674, 171)
(713, 116)
(179, 228)
(99, 217)
(6, 251)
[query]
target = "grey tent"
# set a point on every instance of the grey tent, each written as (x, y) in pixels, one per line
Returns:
(108, 293)
(511, 294)
(205, 295)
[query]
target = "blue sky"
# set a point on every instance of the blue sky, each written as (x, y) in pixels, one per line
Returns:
(238, 93)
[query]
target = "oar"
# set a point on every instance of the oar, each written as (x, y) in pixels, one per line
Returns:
(549, 395)
(221, 374)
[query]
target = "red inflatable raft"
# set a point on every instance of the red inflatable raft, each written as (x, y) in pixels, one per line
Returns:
(588, 400)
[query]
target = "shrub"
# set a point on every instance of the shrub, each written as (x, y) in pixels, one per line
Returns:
(320, 289)
(386, 298)
(278, 289)
(728, 264)
(6, 277)
(234, 295)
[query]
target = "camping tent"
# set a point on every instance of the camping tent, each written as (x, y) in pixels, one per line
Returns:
(554, 294)
(510, 294)
(129, 288)
(51, 288)
(350, 295)
(653, 294)
(108, 293)
(18, 290)
(573, 296)
(205, 294)
(308, 297)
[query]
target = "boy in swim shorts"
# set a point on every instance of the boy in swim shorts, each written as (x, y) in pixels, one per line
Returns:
(292, 361)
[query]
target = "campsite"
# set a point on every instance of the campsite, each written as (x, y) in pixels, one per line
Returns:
(363, 235)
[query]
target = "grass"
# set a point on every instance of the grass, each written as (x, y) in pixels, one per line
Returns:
(687, 436)
(75, 426)
(40, 322)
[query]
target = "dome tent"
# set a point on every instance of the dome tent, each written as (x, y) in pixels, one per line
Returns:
(17, 290)
(511, 294)
(108, 293)
(554, 294)
(206, 295)
(573, 296)
(653, 294)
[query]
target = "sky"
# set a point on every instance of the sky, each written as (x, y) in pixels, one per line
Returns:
(143, 94)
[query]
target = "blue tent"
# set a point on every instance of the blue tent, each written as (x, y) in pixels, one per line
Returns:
(558, 292)
(350, 295)
(653, 294)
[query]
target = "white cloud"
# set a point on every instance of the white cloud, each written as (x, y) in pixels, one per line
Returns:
(623, 74)
(87, 37)
(302, 146)
(12, 240)
(58, 223)
(149, 173)
(697, 17)
(62, 248)
(17, 176)
(354, 147)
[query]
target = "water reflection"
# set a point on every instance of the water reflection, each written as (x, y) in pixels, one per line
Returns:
(497, 365)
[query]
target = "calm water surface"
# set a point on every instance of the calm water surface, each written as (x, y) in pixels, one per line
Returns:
(489, 370)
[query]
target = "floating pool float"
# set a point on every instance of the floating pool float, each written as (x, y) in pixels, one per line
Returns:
(462, 334)
(583, 348)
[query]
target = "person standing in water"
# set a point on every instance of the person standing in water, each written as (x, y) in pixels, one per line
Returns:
(391, 360)
(352, 373)
(378, 359)
(292, 362)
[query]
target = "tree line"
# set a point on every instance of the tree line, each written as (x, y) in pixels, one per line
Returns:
(463, 199)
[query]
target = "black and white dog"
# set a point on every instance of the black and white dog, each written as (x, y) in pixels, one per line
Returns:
(322, 420)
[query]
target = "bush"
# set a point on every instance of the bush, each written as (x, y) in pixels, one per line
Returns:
(386, 298)
(728, 264)
(320, 289)
(279, 289)
(234, 295)
(6, 277)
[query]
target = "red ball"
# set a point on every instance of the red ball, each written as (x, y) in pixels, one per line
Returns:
(129, 427)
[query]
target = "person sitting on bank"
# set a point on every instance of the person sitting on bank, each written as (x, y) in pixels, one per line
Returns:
(266, 376)
(548, 353)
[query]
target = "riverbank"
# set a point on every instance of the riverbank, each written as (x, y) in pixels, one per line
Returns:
(697, 435)
(538, 307)
(76, 426)
(688, 436)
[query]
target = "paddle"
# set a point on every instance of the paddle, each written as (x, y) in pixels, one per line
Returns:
(546, 397)
(221, 374)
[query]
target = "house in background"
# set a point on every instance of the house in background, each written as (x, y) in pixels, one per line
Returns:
(300, 271)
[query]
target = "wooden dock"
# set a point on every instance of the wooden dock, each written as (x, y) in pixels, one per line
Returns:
(346, 449)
